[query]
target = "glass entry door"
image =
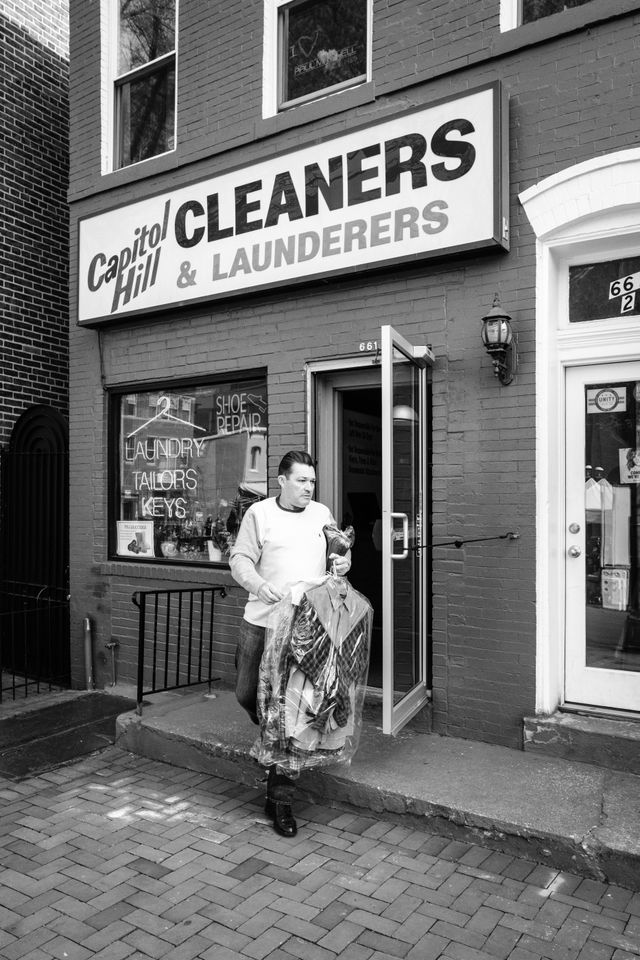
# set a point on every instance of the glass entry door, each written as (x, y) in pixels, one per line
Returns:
(404, 560)
(602, 536)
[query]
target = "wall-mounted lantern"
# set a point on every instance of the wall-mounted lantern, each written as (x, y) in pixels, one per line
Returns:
(500, 342)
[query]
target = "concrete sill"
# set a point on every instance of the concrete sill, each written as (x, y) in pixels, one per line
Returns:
(597, 740)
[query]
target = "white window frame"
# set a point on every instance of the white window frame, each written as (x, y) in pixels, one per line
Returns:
(270, 66)
(586, 213)
(510, 15)
(109, 25)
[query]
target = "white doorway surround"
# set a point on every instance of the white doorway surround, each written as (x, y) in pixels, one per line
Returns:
(351, 440)
(587, 213)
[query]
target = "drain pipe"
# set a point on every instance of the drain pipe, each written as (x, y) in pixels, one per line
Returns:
(88, 653)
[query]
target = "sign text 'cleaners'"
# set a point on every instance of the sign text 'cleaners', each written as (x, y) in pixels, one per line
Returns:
(414, 186)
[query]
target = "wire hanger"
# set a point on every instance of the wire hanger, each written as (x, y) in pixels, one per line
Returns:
(166, 412)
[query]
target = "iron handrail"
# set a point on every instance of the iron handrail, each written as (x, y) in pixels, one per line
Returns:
(181, 641)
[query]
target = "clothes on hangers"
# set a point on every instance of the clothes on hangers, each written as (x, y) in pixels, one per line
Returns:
(313, 676)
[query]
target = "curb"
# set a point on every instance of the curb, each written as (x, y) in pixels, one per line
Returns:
(597, 855)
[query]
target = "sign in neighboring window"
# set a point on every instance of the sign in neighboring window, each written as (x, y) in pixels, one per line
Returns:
(190, 462)
(537, 9)
(145, 85)
(324, 47)
(603, 291)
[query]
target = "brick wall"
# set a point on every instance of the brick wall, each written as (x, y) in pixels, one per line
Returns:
(34, 244)
(571, 98)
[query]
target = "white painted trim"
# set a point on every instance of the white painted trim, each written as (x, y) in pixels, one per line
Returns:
(109, 67)
(509, 15)
(582, 191)
(109, 25)
(590, 211)
(270, 58)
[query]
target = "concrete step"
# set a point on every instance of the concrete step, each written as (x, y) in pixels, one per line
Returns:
(570, 815)
(600, 740)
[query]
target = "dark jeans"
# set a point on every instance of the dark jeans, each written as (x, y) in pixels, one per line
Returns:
(248, 657)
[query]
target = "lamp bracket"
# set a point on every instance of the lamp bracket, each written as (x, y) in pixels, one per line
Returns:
(505, 362)
(460, 542)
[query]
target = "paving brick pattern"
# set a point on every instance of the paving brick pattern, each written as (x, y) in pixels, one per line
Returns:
(122, 858)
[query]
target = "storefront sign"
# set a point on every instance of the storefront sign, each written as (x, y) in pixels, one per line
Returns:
(425, 182)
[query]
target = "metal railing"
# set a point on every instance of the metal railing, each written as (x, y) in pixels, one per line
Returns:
(175, 638)
(34, 638)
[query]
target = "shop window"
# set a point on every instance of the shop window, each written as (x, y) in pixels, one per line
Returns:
(187, 463)
(604, 290)
(314, 48)
(145, 80)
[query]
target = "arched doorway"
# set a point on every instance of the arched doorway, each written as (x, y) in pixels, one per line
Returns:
(34, 551)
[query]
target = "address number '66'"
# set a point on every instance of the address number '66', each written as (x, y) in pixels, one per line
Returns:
(624, 285)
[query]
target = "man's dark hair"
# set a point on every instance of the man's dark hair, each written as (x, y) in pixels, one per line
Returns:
(294, 456)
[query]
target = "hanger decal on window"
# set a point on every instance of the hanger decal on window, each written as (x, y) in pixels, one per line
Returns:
(165, 414)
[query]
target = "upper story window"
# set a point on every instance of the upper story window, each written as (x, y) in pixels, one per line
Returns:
(145, 80)
(314, 48)
(537, 9)
(514, 13)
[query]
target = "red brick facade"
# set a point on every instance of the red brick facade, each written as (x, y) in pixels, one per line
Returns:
(35, 246)
(570, 80)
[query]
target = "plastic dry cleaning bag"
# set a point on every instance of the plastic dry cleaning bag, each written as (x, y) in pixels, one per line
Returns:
(313, 675)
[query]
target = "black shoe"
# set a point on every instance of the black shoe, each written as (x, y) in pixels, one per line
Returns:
(283, 820)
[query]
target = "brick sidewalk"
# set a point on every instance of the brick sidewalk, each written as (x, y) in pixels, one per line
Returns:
(121, 858)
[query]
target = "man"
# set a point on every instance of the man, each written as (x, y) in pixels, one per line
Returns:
(280, 542)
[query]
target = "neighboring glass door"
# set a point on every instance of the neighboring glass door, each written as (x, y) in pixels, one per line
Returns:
(602, 542)
(404, 560)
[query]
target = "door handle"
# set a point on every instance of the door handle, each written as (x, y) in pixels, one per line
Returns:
(574, 552)
(405, 536)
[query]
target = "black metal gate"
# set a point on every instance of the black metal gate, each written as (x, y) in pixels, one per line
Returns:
(34, 554)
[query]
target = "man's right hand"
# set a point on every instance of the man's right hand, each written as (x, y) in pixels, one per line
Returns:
(268, 593)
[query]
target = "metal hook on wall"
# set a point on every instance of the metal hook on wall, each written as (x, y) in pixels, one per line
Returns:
(460, 542)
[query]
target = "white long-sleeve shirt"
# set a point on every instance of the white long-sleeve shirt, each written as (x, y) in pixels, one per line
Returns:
(278, 546)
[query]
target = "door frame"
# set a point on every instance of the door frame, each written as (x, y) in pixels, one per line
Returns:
(587, 212)
(396, 714)
(585, 684)
(318, 378)
(318, 375)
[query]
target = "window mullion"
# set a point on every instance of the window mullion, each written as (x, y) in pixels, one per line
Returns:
(150, 67)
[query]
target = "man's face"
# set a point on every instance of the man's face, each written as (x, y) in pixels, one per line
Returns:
(296, 489)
